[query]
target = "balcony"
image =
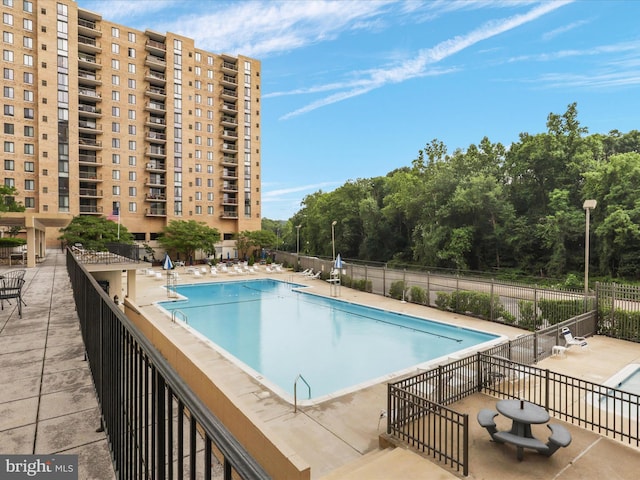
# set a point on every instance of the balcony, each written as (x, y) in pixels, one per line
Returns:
(87, 77)
(155, 47)
(156, 166)
(156, 93)
(155, 122)
(89, 110)
(153, 136)
(229, 107)
(229, 80)
(89, 143)
(89, 176)
(229, 147)
(86, 61)
(85, 126)
(229, 187)
(229, 214)
(155, 181)
(156, 152)
(91, 209)
(155, 107)
(156, 212)
(229, 94)
(155, 197)
(228, 121)
(229, 67)
(155, 78)
(90, 193)
(229, 159)
(88, 44)
(88, 159)
(88, 95)
(155, 62)
(230, 174)
(88, 28)
(226, 200)
(230, 134)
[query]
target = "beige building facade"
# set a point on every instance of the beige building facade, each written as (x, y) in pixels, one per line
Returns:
(138, 126)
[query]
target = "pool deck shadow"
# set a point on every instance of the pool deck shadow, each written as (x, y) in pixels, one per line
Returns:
(339, 438)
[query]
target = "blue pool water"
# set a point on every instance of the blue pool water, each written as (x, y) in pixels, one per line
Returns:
(631, 383)
(280, 332)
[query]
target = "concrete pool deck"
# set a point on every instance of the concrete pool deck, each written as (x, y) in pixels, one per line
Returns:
(341, 435)
(41, 361)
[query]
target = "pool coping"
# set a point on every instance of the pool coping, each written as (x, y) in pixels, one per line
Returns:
(315, 401)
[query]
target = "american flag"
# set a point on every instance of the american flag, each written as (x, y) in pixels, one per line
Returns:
(115, 215)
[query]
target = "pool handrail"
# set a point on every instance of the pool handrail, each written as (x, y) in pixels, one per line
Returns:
(295, 391)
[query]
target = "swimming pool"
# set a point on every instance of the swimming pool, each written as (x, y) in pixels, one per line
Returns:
(624, 399)
(278, 330)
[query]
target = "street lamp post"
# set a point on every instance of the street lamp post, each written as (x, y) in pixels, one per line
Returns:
(298, 240)
(588, 205)
(333, 238)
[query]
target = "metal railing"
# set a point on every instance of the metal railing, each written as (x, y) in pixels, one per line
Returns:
(506, 371)
(156, 426)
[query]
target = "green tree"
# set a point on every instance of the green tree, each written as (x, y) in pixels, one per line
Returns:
(94, 232)
(8, 201)
(187, 237)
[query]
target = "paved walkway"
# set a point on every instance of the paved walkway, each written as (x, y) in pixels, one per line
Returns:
(47, 399)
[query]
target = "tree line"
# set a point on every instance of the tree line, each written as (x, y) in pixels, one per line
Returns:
(490, 207)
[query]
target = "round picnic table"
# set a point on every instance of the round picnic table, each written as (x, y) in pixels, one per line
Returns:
(523, 414)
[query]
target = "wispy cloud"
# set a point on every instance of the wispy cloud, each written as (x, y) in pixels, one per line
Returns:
(564, 29)
(602, 80)
(272, 195)
(120, 10)
(419, 66)
(622, 47)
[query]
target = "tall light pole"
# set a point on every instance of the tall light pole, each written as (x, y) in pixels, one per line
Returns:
(333, 238)
(298, 240)
(588, 206)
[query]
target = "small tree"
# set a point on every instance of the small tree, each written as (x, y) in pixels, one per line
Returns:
(189, 236)
(94, 232)
(8, 200)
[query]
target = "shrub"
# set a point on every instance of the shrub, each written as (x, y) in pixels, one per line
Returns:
(443, 300)
(418, 295)
(556, 311)
(10, 242)
(528, 318)
(478, 304)
(398, 290)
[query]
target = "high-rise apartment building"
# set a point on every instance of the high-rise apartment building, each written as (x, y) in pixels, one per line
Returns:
(100, 118)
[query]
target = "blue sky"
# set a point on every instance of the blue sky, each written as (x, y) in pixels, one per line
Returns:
(354, 89)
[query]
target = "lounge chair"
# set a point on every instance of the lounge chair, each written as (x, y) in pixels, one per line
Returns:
(316, 275)
(306, 272)
(570, 340)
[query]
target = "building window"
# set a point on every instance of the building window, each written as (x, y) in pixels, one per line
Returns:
(29, 185)
(7, 73)
(29, 202)
(27, 24)
(9, 128)
(9, 182)
(29, 149)
(7, 19)
(115, 158)
(132, 176)
(132, 83)
(115, 143)
(115, 174)
(8, 110)
(132, 144)
(132, 37)
(131, 52)
(27, 42)
(132, 129)
(133, 207)
(115, 32)
(27, 6)
(115, 190)
(131, 68)
(131, 114)
(9, 165)
(133, 191)
(7, 55)
(7, 37)
(28, 113)
(29, 131)
(29, 167)
(115, 127)
(9, 147)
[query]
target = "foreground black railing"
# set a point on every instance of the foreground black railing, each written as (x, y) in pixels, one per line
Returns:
(156, 426)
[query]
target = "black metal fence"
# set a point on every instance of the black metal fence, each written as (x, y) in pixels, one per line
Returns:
(526, 306)
(619, 310)
(156, 426)
(417, 414)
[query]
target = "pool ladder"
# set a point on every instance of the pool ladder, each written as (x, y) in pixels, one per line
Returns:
(295, 391)
(174, 313)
